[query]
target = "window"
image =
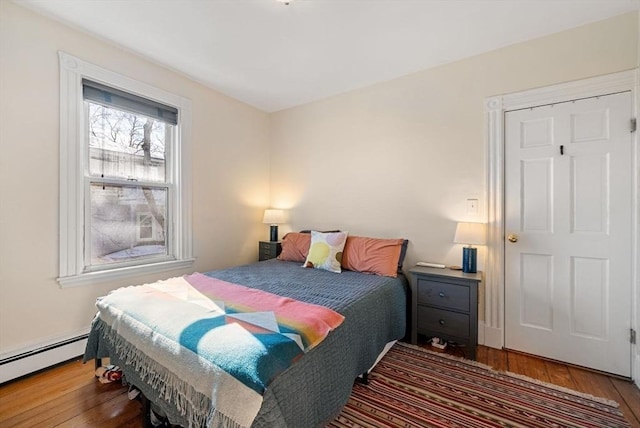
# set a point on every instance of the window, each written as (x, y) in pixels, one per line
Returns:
(125, 199)
(128, 140)
(146, 228)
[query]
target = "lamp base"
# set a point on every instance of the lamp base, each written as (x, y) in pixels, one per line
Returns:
(469, 257)
(274, 233)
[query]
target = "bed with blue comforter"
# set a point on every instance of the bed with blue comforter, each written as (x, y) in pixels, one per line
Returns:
(308, 393)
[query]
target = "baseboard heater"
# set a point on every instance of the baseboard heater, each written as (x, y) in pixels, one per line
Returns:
(33, 360)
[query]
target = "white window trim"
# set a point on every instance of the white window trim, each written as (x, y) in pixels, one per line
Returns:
(72, 71)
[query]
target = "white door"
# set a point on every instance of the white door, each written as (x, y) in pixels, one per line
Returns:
(568, 191)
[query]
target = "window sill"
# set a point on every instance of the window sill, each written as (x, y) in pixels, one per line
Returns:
(113, 274)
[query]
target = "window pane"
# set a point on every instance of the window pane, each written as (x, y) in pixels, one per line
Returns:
(126, 145)
(127, 223)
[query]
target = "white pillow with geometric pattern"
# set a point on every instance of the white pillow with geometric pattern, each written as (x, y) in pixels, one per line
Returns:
(325, 251)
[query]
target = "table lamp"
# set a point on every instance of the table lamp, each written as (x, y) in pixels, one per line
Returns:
(470, 234)
(273, 217)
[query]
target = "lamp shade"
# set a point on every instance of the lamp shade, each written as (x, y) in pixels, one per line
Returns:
(273, 217)
(471, 234)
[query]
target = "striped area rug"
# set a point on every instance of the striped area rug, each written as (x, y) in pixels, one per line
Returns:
(412, 387)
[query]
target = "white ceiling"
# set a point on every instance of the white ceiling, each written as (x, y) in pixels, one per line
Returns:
(275, 56)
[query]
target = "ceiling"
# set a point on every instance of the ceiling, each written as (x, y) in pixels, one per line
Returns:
(275, 56)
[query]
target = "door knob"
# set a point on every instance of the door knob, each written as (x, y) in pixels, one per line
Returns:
(512, 238)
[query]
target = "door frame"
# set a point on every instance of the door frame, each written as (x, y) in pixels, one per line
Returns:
(493, 328)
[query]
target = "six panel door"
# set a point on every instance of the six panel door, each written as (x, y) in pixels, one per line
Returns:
(568, 193)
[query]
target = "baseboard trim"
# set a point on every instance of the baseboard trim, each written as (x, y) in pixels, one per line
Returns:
(40, 357)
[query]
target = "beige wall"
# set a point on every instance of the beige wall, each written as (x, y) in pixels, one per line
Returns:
(400, 158)
(230, 175)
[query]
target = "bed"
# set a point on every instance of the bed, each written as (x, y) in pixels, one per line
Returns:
(312, 390)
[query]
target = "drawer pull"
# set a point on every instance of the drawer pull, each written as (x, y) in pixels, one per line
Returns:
(441, 322)
(441, 294)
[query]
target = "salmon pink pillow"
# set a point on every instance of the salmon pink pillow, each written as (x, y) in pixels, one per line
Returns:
(295, 247)
(373, 255)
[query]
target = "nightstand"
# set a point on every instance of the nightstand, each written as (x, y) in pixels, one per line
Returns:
(269, 250)
(445, 304)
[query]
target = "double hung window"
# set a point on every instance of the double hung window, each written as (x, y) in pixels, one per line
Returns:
(124, 181)
(128, 140)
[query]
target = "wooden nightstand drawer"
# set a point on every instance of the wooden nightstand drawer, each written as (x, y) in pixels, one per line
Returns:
(267, 251)
(443, 294)
(441, 321)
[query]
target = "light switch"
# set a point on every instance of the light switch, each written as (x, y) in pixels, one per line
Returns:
(472, 206)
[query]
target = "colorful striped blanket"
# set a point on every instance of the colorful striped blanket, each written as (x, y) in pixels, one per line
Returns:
(201, 335)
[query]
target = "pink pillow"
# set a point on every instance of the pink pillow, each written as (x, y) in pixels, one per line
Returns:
(295, 247)
(372, 255)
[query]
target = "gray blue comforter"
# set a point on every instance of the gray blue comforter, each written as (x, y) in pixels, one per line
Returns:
(312, 391)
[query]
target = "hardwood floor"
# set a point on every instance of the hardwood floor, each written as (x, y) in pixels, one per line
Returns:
(70, 396)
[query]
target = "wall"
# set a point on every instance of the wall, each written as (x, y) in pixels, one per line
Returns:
(400, 158)
(230, 186)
